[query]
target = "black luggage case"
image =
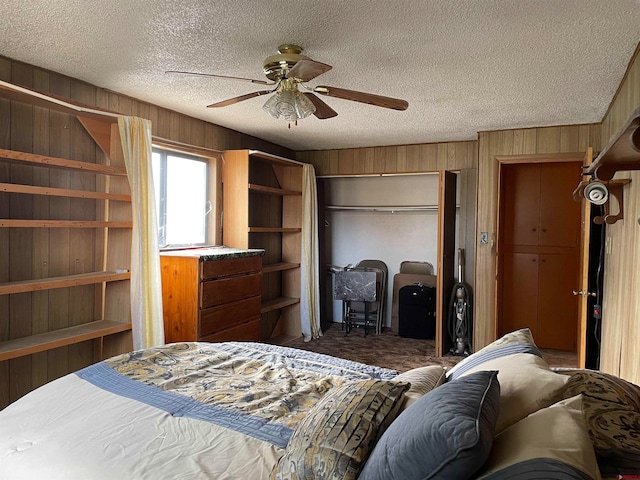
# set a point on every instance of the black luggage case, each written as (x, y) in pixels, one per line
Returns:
(417, 311)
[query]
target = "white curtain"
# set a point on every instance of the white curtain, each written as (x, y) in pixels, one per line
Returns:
(309, 275)
(146, 285)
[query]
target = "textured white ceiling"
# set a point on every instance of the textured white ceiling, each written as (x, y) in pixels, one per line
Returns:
(463, 65)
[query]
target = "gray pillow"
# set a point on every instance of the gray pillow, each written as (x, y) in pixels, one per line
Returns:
(446, 434)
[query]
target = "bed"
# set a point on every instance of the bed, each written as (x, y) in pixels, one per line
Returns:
(247, 410)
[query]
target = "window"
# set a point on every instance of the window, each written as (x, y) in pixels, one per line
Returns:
(182, 203)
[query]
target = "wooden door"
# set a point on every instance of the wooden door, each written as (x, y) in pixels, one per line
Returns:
(519, 292)
(521, 184)
(583, 274)
(559, 213)
(538, 251)
(557, 306)
(446, 256)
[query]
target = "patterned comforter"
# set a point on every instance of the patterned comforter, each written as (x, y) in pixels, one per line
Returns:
(185, 410)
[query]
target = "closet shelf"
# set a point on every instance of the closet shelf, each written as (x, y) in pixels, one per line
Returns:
(278, 303)
(91, 278)
(384, 208)
(278, 267)
(63, 163)
(273, 230)
(62, 192)
(62, 224)
(622, 152)
(272, 191)
(59, 338)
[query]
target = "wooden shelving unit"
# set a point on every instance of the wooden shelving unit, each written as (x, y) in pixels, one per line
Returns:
(263, 209)
(65, 240)
(92, 328)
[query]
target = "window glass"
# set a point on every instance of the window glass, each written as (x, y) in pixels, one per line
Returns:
(181, 198)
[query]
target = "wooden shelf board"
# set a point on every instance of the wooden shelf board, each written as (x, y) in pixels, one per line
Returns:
(62, 192)
(272, 190)
(278, 303)
(59, 104)
(271, 230)
(62, 224)
(622, 152)
(275, 159)
(7, 288)
(63, 163)
(59, 338)
(278, 267)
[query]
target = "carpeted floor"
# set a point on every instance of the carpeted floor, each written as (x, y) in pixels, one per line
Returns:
(384, 350)
(391, 351)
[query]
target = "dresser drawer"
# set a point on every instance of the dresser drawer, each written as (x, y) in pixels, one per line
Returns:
(249, 332)
(228, 315)
(230, 266)
(218, 292)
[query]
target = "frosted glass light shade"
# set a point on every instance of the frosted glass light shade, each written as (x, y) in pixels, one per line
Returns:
(290, 105)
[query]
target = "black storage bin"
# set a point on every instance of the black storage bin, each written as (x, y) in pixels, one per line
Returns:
(417, 311)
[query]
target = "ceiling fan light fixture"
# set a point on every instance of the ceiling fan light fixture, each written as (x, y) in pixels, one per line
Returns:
(289, 104)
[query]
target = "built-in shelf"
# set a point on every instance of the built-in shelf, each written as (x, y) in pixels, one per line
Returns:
(7, 288)
(62, 224)
(277, 303)
(30, 316)
(59, 338)
(272, 230)
(275, 159)
(63, 163)
(622, 152)
(272, 190)
(61, 192)
(278, 267)
(263, 209)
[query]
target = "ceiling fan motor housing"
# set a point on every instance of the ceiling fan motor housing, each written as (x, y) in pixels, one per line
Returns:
(275, 66)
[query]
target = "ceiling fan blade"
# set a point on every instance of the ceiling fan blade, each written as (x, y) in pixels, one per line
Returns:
(305, 70)
(322, 109)
(196, 74)
(371, 99)
(231, 101)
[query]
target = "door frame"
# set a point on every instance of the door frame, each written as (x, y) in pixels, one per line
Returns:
(584, 238)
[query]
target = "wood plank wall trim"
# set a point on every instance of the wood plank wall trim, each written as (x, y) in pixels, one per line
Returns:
(620, 311)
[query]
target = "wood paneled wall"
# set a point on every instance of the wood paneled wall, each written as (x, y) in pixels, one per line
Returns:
(621, 306)
(166, 123)
(531, 141)
(25, 252)
(426, 157)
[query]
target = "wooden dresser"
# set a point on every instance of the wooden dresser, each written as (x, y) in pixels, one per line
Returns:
(211, 294)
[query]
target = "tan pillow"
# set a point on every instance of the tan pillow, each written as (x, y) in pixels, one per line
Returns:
(550, 443)
(337, 435)
(422, 380)
(527, 384)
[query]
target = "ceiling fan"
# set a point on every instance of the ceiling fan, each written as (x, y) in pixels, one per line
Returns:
(287, 72)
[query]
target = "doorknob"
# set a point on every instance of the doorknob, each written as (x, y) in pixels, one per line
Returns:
(583, 293)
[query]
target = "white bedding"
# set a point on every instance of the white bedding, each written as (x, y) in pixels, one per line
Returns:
(180, 411)
(122, 439)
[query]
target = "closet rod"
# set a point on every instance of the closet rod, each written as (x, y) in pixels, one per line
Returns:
(386, 208)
